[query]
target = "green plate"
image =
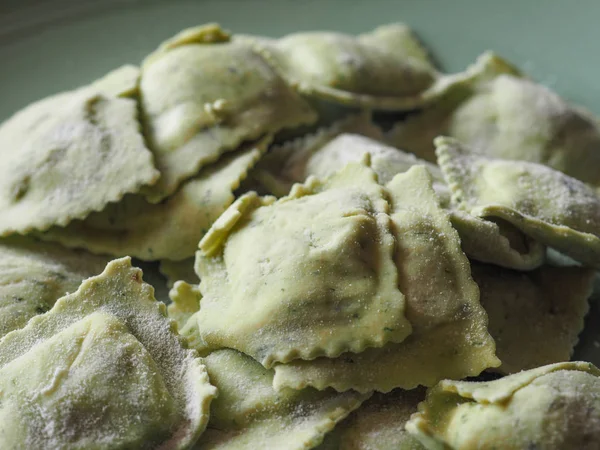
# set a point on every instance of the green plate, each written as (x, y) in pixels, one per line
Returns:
(49, 46)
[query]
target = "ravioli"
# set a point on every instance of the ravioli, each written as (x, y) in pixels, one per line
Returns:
(287, 163)
(309, 275)
(450, 337)
(516, 118)
(534, 317)
(385, 69)
(33, 275)
(378, 424)
(386, 161)
(509, 117)
(551, 407)
(202, 95)
(333, 156)
(104, 369)
(171, 229)
(550, 207)
(249, 414)
(67, 156)
(496, 241)
(416, 133)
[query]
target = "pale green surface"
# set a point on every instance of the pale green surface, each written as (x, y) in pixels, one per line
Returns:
(39, 59)
(107, 340)
(249, 414)
(551, 407)
(116, 32)
(449, 338)
(277, 289)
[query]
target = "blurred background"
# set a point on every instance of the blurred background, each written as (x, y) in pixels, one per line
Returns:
(50, 45)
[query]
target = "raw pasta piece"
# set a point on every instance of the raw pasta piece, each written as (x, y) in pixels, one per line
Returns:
(68, 155)
(286, 164)
(416, 133)
(380, 69)
(497, 241)
(534, 317)
(516, 118)
(179, 270)
(552, 407)
(450, 337)
(386, 161)
(104, 368)
(203, 96)
(185, 301)
(378, 424)
(329, 151)
(171, 229)
(33, 275)
(121, 82)
(547, 205)
(309, 275)
(250, 414)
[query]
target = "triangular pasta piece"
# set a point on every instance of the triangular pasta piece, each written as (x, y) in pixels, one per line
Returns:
(179, 270)
(286, 163)
(67, 156)
(203, 95)
(516, 118)
(551, 407)
(378, 424)
(547, 205)
(496, 241)
(250, 414)
(33, 275)
(450, 337)
(378, 70)
(309, 275)
(534, 317)
(168, 230)
(103, 368)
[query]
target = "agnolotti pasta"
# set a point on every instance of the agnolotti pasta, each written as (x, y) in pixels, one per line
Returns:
(378, 424)
(250, 414)
(309, 275)
(171, 229)
(555, 406)
(202, 95)
(104, 368)
(450, 337)
(547, 205)
(69, 155)
(534, 317)
(33, 275)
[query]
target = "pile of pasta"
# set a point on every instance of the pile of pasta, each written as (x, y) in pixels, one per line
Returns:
(363, 252)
